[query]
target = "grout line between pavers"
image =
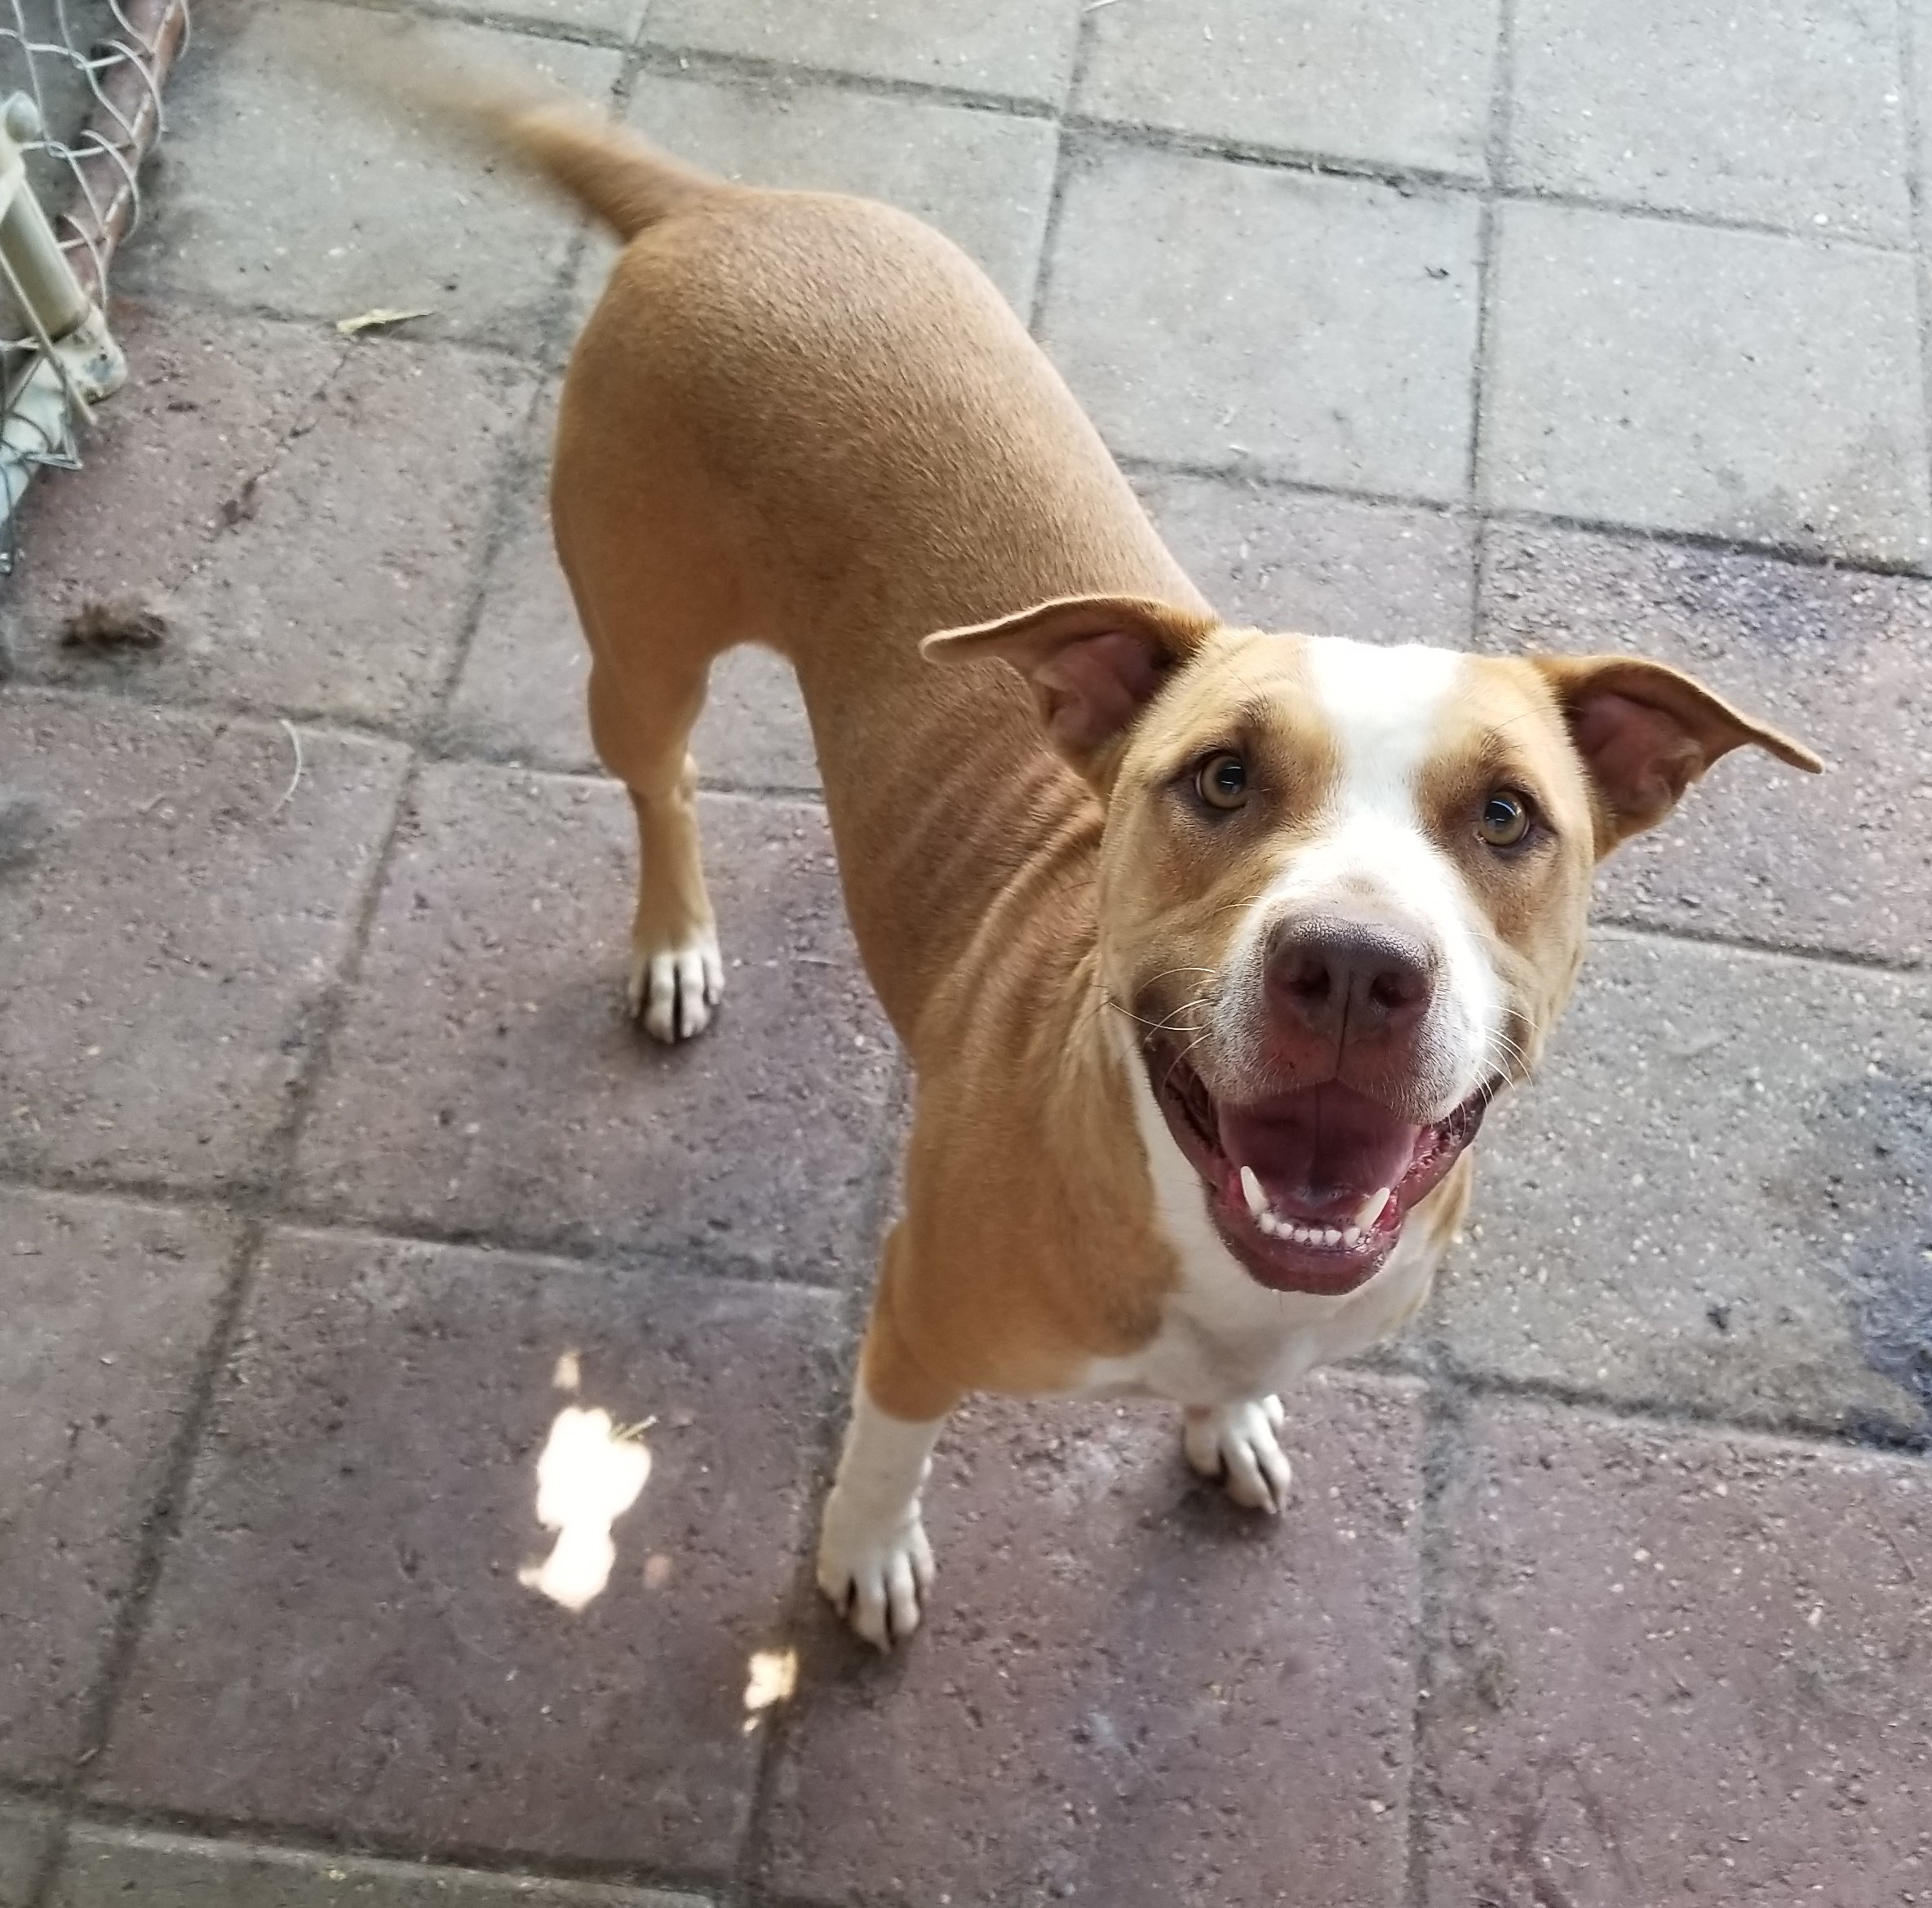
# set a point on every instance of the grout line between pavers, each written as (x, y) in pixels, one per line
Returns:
(705, 64)
(1710, 542)
(1502, 92)
(1632, 928)
(311, 1839)
(1063, 171)
(691, 1258)
(1411, 180)
(570, 33)
(53, 1858)
(232, 1206)
(754, 1847)
(1917, 214)
(1474, 1385)
(1445, 1450)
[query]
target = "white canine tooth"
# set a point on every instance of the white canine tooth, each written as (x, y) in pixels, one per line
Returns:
(1251, 1191)
(1371, 1207)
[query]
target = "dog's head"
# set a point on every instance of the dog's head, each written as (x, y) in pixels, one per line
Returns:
(1344, 889)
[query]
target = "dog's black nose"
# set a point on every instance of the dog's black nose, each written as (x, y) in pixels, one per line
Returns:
(1348, 979)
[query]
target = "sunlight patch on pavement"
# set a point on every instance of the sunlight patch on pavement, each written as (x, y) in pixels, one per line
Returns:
(773, 1675)
(589, 1474)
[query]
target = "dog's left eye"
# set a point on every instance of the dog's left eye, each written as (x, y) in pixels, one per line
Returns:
(1505, 818)
(1221, 781)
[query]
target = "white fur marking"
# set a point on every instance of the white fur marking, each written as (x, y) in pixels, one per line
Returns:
(874, 1561)
(1383, 707)
(673, 992)
(1237, 1444)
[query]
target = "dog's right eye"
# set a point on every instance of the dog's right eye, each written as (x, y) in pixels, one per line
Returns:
(1221, 782)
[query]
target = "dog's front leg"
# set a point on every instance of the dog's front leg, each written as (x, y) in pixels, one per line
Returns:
(874, 1561)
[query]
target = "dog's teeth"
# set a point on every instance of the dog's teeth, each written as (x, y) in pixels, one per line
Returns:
(1251, 1191)
(1329, 1237)
(1352, 1238)
(1371, 1207)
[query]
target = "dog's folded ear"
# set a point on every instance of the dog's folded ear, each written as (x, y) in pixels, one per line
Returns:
(1646, 732)
(1094, 663)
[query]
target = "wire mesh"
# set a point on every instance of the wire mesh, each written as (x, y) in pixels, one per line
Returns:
(93, 70)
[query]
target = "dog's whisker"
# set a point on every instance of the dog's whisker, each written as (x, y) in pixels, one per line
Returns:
(1166, 1025)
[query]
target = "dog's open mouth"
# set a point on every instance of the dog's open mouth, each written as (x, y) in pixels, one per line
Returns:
(1309, 1188)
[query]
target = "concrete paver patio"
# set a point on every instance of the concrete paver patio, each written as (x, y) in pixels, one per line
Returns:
(330, 1172)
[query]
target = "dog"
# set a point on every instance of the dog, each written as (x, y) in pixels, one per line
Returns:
(1209, 946)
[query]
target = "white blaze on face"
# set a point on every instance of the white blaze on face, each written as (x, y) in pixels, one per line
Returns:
(1383, 708)
(586, 1478)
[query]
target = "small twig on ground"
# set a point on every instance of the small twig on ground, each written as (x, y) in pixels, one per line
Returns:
(367, 321)
(296, 778)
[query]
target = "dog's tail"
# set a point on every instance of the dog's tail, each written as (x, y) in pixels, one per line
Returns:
(625, 181)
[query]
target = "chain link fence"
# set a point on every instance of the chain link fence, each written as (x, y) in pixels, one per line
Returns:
(80, 106)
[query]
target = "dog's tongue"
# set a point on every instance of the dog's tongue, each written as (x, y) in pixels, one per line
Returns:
(1319, 1147)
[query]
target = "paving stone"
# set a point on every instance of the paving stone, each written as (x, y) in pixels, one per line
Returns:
(1224, 316)
(109, 1308)
(307, 514)
(1790, 113)
(521, 695)
(107, 1868)
(1677, 378)
(1131, 1692)
(1836, 657)
(386, 216)
(1713, 1198)
(1023, 48)
(342, 1637)
(1678, 1666)
(1355, 80)
(984, 178)
(25, 1831)
(174, 903)
(486, 1080)
(1286, 560)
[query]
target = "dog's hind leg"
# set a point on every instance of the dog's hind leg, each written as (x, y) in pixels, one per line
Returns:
(650, 566)
(676, 973)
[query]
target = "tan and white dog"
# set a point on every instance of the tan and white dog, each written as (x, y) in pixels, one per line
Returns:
(1209, 946)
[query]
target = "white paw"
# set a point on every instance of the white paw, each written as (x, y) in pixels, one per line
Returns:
(874, 1572)
(1237, 1444)
(673, 993)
